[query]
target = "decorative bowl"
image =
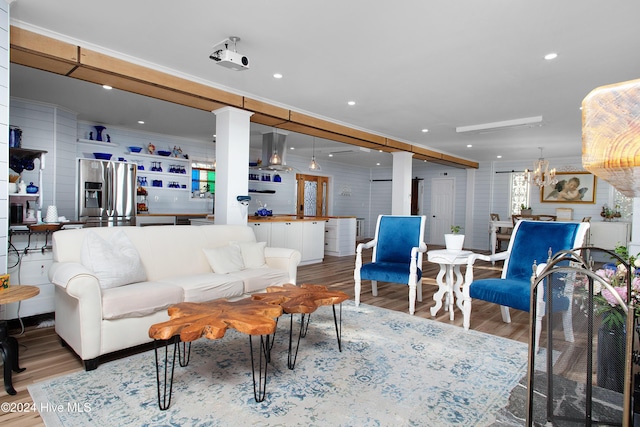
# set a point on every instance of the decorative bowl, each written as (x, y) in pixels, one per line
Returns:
(135, 149)
(32, 189)
(164, 153)
(102, 156)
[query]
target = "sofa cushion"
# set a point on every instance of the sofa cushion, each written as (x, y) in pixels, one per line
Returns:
(257, 279)
(252, 253)
(224, 259)
(207, 286)
(115, 262)
(139, 299)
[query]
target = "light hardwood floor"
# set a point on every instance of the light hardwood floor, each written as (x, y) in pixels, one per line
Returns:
(44, 357)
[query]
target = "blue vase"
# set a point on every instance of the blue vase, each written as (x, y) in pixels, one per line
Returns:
(99, 130)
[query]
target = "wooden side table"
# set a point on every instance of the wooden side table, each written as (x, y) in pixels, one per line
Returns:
(9, 345)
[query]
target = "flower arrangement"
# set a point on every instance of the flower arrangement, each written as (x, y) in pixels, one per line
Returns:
(617, 275)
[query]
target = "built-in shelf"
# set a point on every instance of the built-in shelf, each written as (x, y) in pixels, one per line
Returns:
(158, 157)
(151, 187)
(167, 174)
(264, 182)
(94, 142)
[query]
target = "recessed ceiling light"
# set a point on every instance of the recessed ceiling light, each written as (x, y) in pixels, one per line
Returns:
(351, 102)
(330, 155)
(550, 56)
(377, 164)
(277, 76)
(140, 122)
(292, 148)
(380, 151)
(107, 87)
(425, 130)
(469, 145)
(499, 157)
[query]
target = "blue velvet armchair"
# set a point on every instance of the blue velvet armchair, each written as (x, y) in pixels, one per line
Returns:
(398, 246)
(531, 242)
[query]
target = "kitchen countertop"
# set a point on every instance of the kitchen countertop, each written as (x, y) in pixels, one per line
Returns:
(192, 215)
(285, 218)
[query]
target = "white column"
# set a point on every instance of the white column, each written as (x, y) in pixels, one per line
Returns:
(232, 164)
(401, 186)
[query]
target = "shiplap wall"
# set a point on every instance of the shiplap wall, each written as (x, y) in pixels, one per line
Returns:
(4, 128)
(359, 192)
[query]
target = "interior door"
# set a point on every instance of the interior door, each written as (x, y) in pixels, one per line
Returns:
(442, 204)
(313, 193)
(417, 188)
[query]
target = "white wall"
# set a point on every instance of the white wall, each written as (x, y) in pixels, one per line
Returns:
(4, 136)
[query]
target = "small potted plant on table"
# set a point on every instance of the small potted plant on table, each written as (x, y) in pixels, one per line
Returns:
(455, 240)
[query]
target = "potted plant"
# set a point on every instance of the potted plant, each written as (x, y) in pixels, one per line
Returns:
(525, 210)
(455, 240)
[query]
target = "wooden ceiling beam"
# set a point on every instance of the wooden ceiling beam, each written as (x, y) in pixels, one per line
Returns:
(48, 54)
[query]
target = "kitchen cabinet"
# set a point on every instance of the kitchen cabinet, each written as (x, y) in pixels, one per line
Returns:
(303, 236)
(312, 241)
(262, 230)
(287, 235)
(340, 237)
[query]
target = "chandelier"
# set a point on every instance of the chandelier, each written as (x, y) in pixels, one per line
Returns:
(541, 175)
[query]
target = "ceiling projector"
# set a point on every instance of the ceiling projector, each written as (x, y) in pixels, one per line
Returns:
(230, 59)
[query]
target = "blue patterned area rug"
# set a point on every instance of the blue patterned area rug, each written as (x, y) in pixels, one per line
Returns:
(394, 370)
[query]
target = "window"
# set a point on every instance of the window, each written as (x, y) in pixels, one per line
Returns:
(203, 179)
(519, 194)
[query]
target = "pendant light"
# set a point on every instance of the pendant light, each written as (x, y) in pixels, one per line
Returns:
(275, 159)
(314, 166)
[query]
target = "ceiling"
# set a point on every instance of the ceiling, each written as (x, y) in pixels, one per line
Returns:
(409, 66)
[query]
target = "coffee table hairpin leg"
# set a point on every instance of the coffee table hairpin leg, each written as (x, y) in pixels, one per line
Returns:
(164, 401)
(260, 391)
(304, 326)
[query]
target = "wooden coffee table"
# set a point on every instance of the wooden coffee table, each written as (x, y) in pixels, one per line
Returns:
(191, 321)
(8, 344)
(303, 300)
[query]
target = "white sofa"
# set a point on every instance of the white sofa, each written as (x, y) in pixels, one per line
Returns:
(95, 320)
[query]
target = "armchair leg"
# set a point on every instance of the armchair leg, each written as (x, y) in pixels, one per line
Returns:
(356, 290)
(374, 288)
(466, 313)
(506, 317)
(412, 298)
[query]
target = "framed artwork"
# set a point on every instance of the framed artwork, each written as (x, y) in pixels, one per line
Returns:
(572, 187)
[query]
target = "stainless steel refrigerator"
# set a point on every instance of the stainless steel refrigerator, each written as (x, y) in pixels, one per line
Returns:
(106, 193)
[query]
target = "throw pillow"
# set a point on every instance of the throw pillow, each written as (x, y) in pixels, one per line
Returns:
(252, 253)
(224, 259)
(115, 262)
